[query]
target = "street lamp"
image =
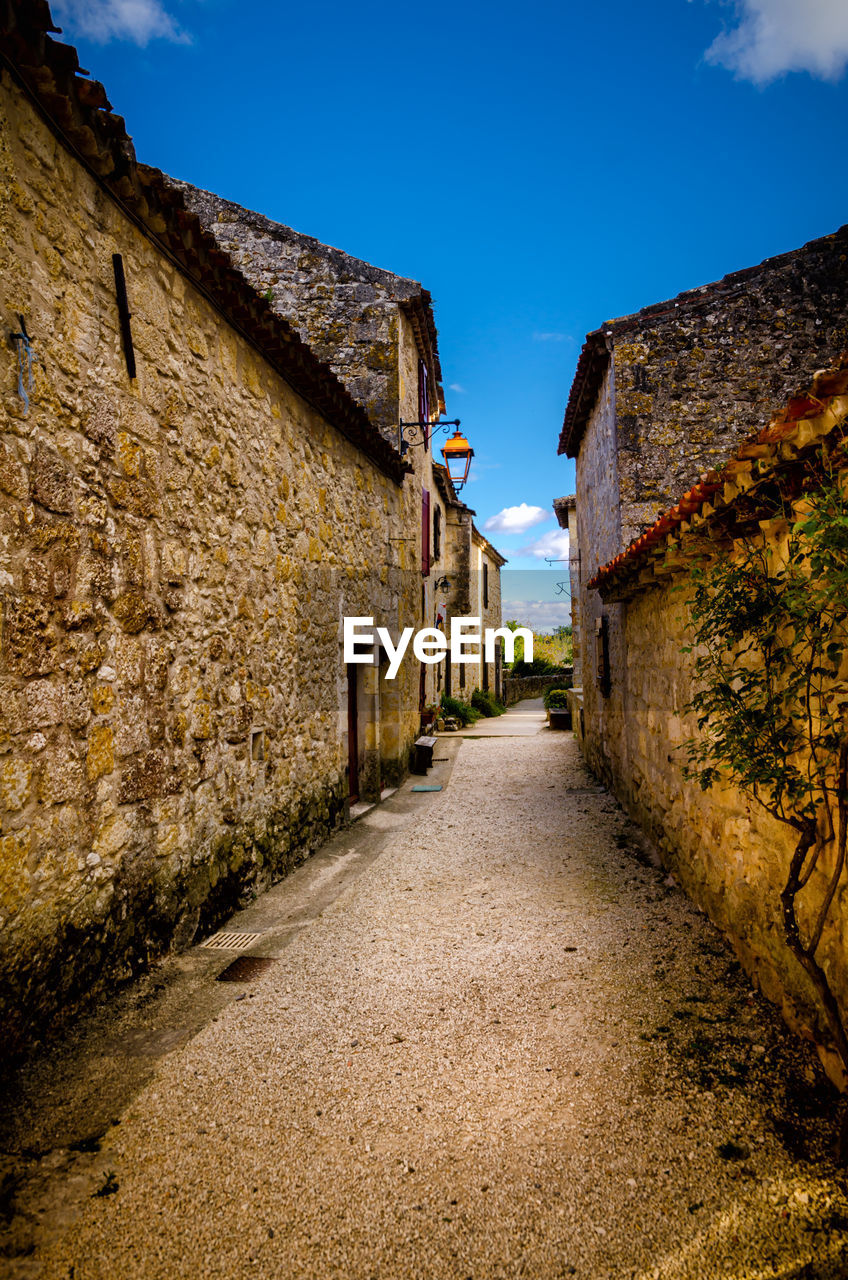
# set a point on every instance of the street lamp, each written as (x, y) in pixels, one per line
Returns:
(457, 453)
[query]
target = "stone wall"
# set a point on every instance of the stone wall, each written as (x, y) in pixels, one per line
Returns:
(599, 538)
(177, 554)
(518, 687)
(488, 606)
(727, 853)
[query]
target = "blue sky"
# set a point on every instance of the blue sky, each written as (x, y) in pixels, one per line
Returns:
(540, 169)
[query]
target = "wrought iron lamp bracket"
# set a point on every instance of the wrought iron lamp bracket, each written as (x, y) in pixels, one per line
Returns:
(418, 428)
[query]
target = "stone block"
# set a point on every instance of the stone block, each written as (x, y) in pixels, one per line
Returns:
(134, 611)
(102, 699)
(15, 784)
(137, 496)
(100, 757)
(61, 778)
(132, 731)
(145, 777)
(51, 482)
(29, 647)
(111, 836)
(99, 422)
(44, 703)
(13, 477)
(14, 873)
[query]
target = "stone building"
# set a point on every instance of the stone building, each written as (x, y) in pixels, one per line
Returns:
(377, 331)
(729, 853)
(192, 500)
(667, 393)
(658, 399)
(472, 567)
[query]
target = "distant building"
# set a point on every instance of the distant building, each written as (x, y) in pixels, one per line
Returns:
(472, 566)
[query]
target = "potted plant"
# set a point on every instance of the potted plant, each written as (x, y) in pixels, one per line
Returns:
(428, 715)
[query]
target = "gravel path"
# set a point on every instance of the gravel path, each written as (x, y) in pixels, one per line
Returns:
(509, 1048)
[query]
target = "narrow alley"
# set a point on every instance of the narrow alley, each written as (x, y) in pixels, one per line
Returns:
(493, 1040)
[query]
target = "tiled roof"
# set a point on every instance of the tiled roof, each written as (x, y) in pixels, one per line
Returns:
(794, 431)
(596, 351)
(79, 113)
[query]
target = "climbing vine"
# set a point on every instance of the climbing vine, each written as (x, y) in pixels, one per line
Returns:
(768, 629)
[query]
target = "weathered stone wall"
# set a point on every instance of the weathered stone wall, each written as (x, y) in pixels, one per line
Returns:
(177, 555)
(728, 854)
(346, 309)
(599, 538)
(403, 543)
(694, 376)
(457, 676)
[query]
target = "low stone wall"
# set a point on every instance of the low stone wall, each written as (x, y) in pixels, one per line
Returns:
(533, 686)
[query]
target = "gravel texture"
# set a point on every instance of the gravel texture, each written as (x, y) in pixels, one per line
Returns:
(511, 1047)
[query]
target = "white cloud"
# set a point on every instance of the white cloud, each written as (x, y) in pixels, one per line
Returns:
(553, 544)
(776, 36)
(455, 386)
(103, 20)
(539, 615)
(552, 337)
(516, 519)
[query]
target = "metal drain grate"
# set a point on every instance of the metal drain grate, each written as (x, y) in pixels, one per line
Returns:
(225, 940)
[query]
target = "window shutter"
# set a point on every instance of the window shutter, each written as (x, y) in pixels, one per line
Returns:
(425, 532)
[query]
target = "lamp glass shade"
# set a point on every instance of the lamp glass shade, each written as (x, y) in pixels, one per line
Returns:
(457, 453)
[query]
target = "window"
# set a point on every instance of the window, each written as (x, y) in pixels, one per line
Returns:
(485, 585)
(425, 531)
(437, 533)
